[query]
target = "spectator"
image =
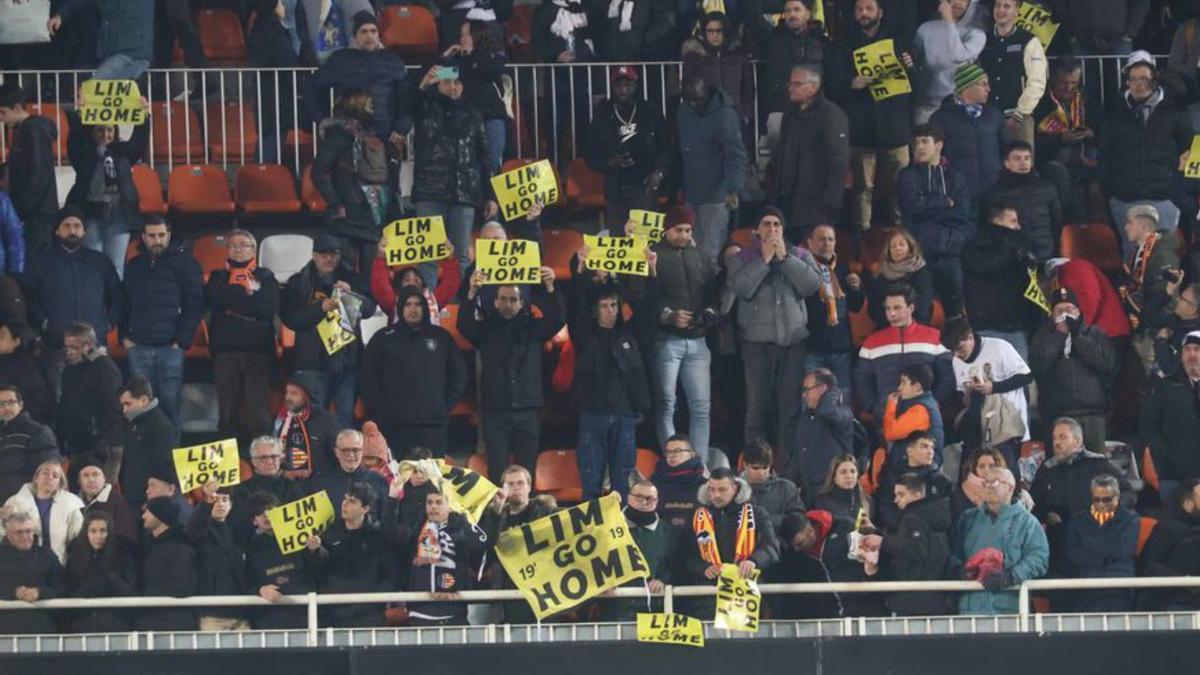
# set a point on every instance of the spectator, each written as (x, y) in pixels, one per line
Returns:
(563, 32)
(494, 14)
(1180, 317)
(1145, 137)
(712, 160)
(1144, 287)
(778, 497)
(99, 565)
(1184, 61)
(29, 573)
(168, 568)
(903, 264)
(25, 38)
(1102, 543)
(57, 514)
(1097, 299)
(12, 300)
(627, 143)
(813, 155)
(1066, 132)
(974, 131)
(1036, 201)
(880, 131)
(104, 187)
(824, 429)
(977, 466)
(887, 351)
(509, 341)
(677, 478)
(941, 46)
(654, 538)
(271, 574)
(718, 57)
(641, 30)
(830, 340)
(687, 300)
(1018, 75)
(387, 282)
(1171, 550)
(270, 44)
(997, 267)
(266, 460)
(24, 443)
(842, 496)
(480, 59)
(771, 283)
(919, 460)
(795, 40)
(1170, 423)
(1104, 27)
(31, 183)
(413, 350)
(165, 299)
(124, 34)
(164, 483)
(998, 523)
(220, 558)
(917, 550)
(305, 434)
(354, 556)
(18, 367)
(452, 172)
(935, 202)
(984, 367)
(910, 409)
(310, 295)
(511, 507)
(337, 481)
(149, 439)
(100, 496)
(1075, 364)
(243, 299)
(446, 544)
(89, 414)
(12, 237)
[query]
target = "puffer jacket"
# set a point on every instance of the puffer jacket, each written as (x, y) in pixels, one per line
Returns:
(451, 152)
(771, 296)
(712, 155)
(24, 444)
(1019, 537)
(725, 526)
(335, 176)
(241, 321)
(972, 143)
(1142, 159)
(926, 195)
(778, 496)
(64, 286)
(686, 281)
(787, 49)
(1038, 208)
(822, 433)
(380, 73)
(727, 67)
(165, 297)
(918, 550)
(1077, 383)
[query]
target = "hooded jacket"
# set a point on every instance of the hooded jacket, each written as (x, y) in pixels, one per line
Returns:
(646, 146)
(64, 286)
(300, 310)
(400, 356)
(1141, 157)
(1078, 382)
(451, 150)
(241, 321)
(770, 296)
(149, 439)
(939, 48)
(822, 433)
(165, 297)
(887, 515)
(87, 159)
(778, 496)
(89, 414)
(380, 73)
(934, 205)
(458, 542)
(713, 159)
(973, 144)
(918, 550)
(725, 525)
(995, 275)
(1038, 208)
(1019, 537)
(335, 177)
(169, 568)
(24, 444)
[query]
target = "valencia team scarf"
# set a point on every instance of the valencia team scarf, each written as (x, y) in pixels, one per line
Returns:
(830, 288)
(292, 430)
(706, 535)
(242, 275)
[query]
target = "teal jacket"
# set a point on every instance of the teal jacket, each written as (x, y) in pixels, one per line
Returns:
(1018, 535)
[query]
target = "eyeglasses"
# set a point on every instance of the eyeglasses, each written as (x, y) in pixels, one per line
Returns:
(22, 532)
(350, 449)
(10, 402)
(808, 389)
(1104, 500)
(644, 499)
(266, 458)
(677, 451)
(242, 246)
(995, 482)
(1141, 79)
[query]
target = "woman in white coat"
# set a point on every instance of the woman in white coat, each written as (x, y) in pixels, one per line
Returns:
(57, 514)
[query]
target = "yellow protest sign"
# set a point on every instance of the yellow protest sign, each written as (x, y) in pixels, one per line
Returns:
(1034, 294)
(111, 102)
(738, 600)
(1036, 20)
(616, 255)
(670, 629)
(521, 188)
(648, 225)
(878, 60)
(467, 492)
(569, 556)
(333, 335)
(293, 523)
(509, 262)
(416, 240)
(200, 464)
(1192, 168)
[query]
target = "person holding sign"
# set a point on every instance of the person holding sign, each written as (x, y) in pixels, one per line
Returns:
(270, 573)
(512, 507)
(355, 556)
(655, 539)
(1015, 61)
(446, 543)
(996, 269)
(220, 555)
(31, 183)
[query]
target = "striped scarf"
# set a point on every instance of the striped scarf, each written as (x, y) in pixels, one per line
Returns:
(1102, 517)
(706, 535)
(830, 289)
(242, 274)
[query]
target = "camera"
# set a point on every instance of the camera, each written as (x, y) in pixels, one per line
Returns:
(1170, 274)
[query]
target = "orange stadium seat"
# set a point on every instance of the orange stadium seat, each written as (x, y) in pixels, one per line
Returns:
(266, 188)
(409, 30)
(585, 188)
(199, 188)
(221, 35)
(1095, 242)
(210, 252)
(313, 201)
(298, 141)
(175, 133)
(1145, 529)
(646, 461)
(558, 246)
(450, 323)
(149, 188)
(558, 475)
(232, 132)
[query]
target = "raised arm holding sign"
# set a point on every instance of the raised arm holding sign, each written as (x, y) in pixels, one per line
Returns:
(523, 187)
(216, 463)
(293, 523)
(508, 262)
(415, 240)
(111, 102)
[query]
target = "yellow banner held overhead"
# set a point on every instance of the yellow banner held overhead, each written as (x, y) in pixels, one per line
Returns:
(878, 60)
(670, 629)
(1034, 294)
(521, 188)
(647, 225)
(1192, 168)
(111, 102)
(416, 240)
(333, 335)
(616, 255)
(1036, 20)
(294, 522)
(738, 600)
(567, 557)
(467, 492)
(199, 465)
(509, 262)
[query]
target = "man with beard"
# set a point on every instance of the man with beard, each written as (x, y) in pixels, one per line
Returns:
(1170, 422)
(89, 416)
(305, 432)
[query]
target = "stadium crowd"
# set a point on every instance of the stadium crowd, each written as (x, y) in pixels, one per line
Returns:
(973, 433)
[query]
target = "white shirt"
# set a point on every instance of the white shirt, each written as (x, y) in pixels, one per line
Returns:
(997, 361)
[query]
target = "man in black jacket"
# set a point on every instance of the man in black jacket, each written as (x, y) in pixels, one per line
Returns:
(220, 557)
(509, 340)
(918, 550)
(18, 367)
(349, 471)
(824, 430)
(995, 275)
(24, 443)
(354, 556)
(266, 459)
(796, 40)
(412, 351)
(270, 574)
(244, 299)
(31, 181)
(511, 507)
(1173, 550)
(164, 291)
(307, 300)
(305, 434)
(168, 568)
(1170, 422)
(830, 340)
(149, 439)
(89, 415)
(27, 573)
(975, 132)
(1035, 199)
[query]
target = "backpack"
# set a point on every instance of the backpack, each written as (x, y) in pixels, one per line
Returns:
(371, 165)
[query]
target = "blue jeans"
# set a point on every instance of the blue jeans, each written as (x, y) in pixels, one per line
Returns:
(121, 67)
(109, 236)
(1168, 218)
(459, 219)
(606, 442)
(1017, 339)
(163, 367)
(497, 132)
(837, 363)
(324, 387)
(679, 359)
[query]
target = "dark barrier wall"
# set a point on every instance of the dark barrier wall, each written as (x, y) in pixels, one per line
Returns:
(1068, 654)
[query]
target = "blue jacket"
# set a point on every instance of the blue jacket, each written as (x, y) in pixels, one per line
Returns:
(935, 207)
(66, 286)
(165, 297)
(1097, 551)
(379, 73)
(972, 143)
(711, 152)
(1018, 535)
(12, 231)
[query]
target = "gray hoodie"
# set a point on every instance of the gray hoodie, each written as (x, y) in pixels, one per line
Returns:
(941, 47)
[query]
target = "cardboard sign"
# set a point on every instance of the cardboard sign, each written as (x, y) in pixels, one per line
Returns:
(1036, 20)
(572, 555)
(198, 465)
(738, 600)
(466, 491)
(333, 334)
(509, 262)
(878, 60)
(416, 240)
(616, 255)
(670, 629)
(648, 225)
(1192, 168)
(294, 522)
(521, 188)
(1034, 294)
(112, 102)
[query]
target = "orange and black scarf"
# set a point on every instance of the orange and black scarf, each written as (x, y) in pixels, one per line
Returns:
(831, 292)
(1136, 270)
(1102, 517)
(242, 275)
(706, 535)
(292, 430)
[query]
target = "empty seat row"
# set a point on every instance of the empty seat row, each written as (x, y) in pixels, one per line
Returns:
(204, 189)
